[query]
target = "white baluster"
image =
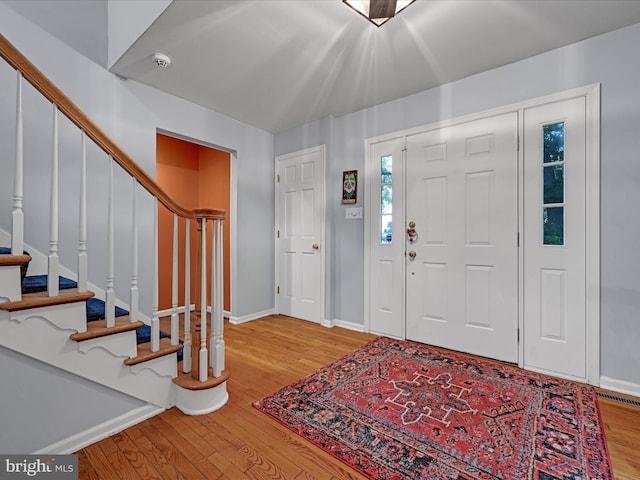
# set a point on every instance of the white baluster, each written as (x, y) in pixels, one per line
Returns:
(82, 221)
(174, 284)
(155, 323)
(186, 349)
(17, 215)
(110, 300)
(203, 372)
(53, 260)
(217, 306)
(134, 294)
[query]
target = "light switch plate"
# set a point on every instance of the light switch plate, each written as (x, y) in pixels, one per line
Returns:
(353, 213)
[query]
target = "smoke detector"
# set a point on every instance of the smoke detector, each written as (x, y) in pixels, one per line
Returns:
(161, 60)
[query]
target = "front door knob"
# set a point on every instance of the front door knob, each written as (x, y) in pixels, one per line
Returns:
(412, 254)
(315, 246)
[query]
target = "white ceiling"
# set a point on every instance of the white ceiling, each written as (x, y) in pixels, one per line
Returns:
(277, 64)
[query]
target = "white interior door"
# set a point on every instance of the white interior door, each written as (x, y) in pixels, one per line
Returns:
(300, 232)
(462, 264)
(555, 288)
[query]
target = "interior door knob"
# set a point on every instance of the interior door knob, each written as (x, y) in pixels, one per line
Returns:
(315, 246)
(412, 254)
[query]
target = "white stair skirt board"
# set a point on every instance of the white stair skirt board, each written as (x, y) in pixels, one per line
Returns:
(95, 434)
(41, 339)
(620, 386)
(201, 402)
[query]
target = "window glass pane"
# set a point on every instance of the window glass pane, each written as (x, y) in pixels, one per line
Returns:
(553, 140)
(553, 218)
(386, 169)
(386, 198)
(553, 184)
(385, 228)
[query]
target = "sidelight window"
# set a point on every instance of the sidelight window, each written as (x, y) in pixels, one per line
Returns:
(553, 184)
(386, 199)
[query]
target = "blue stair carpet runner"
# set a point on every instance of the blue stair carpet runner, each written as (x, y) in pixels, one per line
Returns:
(95, 306)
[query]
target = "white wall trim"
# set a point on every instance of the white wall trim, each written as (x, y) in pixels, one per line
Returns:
(356, 327)
(106, 429)
(620, 386)
(250, 317)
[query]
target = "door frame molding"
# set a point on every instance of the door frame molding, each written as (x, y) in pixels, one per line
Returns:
(591, 93)
(323, 239)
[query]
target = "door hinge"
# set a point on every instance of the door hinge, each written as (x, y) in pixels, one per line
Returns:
(518, 239)
(518, 332)
(518, 144)
(278, 178)
(278, 234)
(278, 290)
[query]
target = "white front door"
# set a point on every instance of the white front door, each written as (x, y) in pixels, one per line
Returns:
(462, 262)
(300, 232)
(555, 288)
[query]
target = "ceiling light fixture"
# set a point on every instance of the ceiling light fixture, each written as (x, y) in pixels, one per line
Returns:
(378, 12)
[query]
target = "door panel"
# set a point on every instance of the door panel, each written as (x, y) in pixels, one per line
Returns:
(462, 283)
(300, 225)
(387, 243)
(555, 248)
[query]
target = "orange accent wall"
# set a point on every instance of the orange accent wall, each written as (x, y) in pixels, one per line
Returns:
(195, 176)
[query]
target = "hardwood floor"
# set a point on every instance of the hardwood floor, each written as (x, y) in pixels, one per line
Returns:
(239, 442)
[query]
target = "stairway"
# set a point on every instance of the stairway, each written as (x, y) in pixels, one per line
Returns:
(69, 331)
(66, 327)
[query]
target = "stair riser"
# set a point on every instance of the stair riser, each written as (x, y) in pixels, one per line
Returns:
(69, 317)
(10, 281)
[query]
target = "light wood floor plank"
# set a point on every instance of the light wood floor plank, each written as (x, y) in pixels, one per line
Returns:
(238, 442)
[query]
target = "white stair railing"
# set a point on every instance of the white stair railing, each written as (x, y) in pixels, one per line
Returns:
(186, 348)
(134, 294)
(53, 271)
(83, 265)
(207, 337)
(17, 215)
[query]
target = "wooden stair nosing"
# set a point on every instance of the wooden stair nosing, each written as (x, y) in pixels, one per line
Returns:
(98, 328)
(42, 299)
(145, 353)
(186, 381)
(6, 260)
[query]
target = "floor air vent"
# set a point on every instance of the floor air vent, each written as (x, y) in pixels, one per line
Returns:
(628, 401)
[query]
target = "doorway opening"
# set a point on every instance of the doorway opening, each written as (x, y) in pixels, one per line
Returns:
(195, 175)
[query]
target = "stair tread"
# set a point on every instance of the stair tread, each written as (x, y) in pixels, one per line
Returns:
(145, 353)
(39, 283)
(98, 328)
(186, 381)
(8, 259)
(42, 299)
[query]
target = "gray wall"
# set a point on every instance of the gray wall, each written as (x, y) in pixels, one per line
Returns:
(41, 405)
(613, 60)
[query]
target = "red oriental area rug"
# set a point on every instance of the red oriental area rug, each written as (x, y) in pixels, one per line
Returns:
(401, 410)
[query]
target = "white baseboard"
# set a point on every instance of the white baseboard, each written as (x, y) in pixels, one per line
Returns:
(250, 317)
(356, 327)
(620, 386)
(95, 434)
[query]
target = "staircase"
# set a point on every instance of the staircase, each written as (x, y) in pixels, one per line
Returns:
(74, 324)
